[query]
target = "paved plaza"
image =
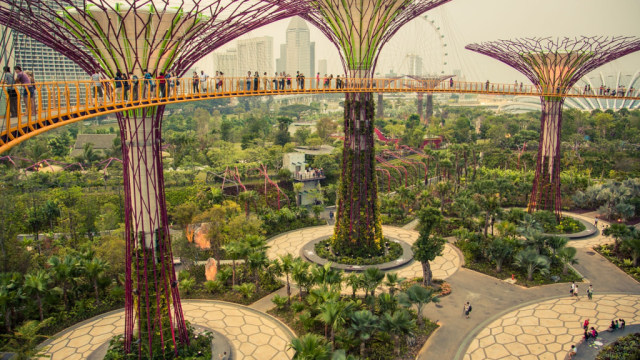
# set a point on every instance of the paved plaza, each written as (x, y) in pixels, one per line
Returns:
(254, 335)
(442, 267)
(507, 321)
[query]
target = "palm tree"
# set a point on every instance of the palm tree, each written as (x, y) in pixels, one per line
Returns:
(363, 325)
(428, 247)
(236, 250)
(326, 276)
(310, 347)
(531, 261)
(419, 296)
(37, 285)
(499, 250)
(567, 256)
(556, 243)
(355, 281)
(94, 269)
(393, 280)
(256, 261)
(387, 302)
(333, 314)
(11, 296)
(372, 279)
(632, 243)
(64, 271)
(286, 263)
(300, 274)
(398, 324)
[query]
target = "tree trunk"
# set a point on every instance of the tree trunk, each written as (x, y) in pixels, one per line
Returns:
(7, 320)
(95, 289)
(358, 230)
(333, 338)
(39, 300)
(499, 266)
(288, 290)
(426, 273)
(233, 272)
(565, 269)
(362, 349)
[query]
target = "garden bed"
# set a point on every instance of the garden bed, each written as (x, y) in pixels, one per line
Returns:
(521, 276)
(622, 263)
(625, 348)
(322, 250)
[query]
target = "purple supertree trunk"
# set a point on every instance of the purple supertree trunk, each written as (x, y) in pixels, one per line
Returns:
(358, 230)
(151, 276)
(546, 183)
(554, 66)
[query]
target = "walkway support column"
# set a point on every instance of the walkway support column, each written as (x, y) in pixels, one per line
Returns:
(359, 29)
(554, 66)
(139, 36)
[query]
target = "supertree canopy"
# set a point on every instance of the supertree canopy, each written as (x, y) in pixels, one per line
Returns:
(131, 36)
(554, 66)
(359, 29)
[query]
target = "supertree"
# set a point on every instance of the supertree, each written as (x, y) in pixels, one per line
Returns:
(359, 29)
(133, 36)
(554, 65)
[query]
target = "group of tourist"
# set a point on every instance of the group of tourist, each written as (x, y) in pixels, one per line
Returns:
(129, 87)
(22, 82)
(310, 173)
(590, 333)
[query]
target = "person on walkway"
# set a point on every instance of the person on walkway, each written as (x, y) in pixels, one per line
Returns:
(125, 86)
(318, 81)
(612, 327)
(195, 82)
(133, 80)
(32, 90)
(617, 325)
(575, 292)
(466, 309)
(256, 81)
(248, 81)
(595, 222)
(622, 324)
(593, 333)
(96, 87)
(590, 292)
(162, 83)
(9, 80)
(585, 325)
(203, 80)
(573, 351)
(573, 288)
(223, 356)
(118, 86)
(275, 82)
(265, 81)
(301, 80)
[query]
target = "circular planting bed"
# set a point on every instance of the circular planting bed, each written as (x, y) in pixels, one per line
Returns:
(205, 344)
(398, 254)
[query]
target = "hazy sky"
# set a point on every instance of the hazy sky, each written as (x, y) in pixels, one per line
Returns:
(467, 21)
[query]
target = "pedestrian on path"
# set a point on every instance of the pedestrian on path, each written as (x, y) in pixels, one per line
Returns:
(575, 292)
(585, 325)
(596, 222)
(223, 356)
(622, 324)
(590, 292)
(573, 351)
(466, 309)
(573, 288)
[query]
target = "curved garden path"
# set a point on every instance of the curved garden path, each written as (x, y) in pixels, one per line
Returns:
(544, 317)
(292, 242)
(254, 335)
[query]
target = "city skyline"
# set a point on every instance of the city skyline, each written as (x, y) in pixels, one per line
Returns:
(466, 21)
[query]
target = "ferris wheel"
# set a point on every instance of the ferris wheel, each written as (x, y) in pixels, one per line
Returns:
(418, 48)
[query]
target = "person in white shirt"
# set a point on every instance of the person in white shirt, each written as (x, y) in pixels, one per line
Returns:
(203, 81)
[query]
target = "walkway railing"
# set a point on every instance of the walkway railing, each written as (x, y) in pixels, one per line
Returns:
(32, 110)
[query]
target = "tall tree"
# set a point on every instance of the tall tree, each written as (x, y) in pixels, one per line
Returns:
(428, 246)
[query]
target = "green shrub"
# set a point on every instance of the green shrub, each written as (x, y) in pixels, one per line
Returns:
(280, 301)
(625, 348)
(395, 251)
(198, 272)
(213, 286)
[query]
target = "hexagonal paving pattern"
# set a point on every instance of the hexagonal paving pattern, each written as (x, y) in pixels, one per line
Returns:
(254, 335)
(292, 242)
(547, 330)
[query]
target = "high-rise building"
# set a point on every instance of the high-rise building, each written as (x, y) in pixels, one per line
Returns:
(46, 63)
(322, 66)
(312, 56)
(281, 62)
(255, 54)
(298, 47)
(415, 65)
(227, 62)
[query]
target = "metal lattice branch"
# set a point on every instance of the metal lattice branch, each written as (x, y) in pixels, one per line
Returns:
(359, 29)
(169, 34)
(557, 64)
